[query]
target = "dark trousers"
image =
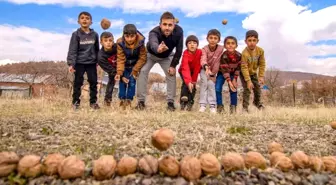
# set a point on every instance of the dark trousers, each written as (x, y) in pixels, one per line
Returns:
(127, 90)
(256, 91)
(220, 81)
(185, 92)
(91, 71)
(109, 88)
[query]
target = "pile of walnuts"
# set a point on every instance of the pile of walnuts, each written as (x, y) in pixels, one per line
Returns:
(189, 167)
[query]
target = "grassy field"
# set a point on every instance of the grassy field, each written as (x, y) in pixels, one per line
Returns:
(42, 126)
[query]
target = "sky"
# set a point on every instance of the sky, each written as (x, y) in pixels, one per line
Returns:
(297, 35)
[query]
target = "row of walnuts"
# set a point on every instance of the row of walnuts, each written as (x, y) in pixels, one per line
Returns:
(190, 167)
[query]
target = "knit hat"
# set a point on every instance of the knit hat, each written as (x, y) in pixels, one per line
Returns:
(130, 29)
(191, 38)
(214, 32)
(251, 33)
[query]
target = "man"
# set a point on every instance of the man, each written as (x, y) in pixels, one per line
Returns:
(162, 40)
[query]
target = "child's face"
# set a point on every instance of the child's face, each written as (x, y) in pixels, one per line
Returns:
(230, 45)
(251, 42)
(85, 21)
(192, 46)
(107, 42)
(213, 40)
(130, 38)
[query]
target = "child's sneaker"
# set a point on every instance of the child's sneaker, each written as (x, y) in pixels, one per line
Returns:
(107, 103)
(189, 107)
(171, 106)
(182, 106)
(213, 109)
(94, 106)
(233, 109)
(184, 98)
(128, 103)
(141, 106)
(202, 108)
(122, 104)
(75, 107)
(220, 108)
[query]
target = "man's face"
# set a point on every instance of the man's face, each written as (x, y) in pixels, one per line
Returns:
(251, 42)
(85, 21)
(213, 40)
(167, 26)
(230, 45)
(192, 46)
(107, 42)
(130, 38)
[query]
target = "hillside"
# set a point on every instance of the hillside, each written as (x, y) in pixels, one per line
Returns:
(57, 67)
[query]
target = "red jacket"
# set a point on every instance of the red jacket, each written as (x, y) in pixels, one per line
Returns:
(190, 66)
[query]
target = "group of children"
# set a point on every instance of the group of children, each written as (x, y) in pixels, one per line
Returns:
(123, 60)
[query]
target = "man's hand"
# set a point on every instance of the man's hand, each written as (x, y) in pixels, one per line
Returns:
(235, 83)
(162, 47)
(250, 85)
(171, 71)
(125, 80)
(261, 80)
(191, 87)
(117, 77)
(232, 88)
(71, 69)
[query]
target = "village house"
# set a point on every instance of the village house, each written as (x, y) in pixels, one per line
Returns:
(26, 85)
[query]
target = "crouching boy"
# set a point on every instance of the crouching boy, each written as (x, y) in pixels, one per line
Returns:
(131, 56)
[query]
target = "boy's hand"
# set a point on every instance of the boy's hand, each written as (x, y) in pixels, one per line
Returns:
(233, 89)
(162, 47)
(171, 71)
(261, 81)
(250, 85)
(191, 87)
(208, 72)
(125, 80)
(117, 77)
(71, 69)
(135, 74)
(234, 83)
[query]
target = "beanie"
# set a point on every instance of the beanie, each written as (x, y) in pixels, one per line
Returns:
(191, 38)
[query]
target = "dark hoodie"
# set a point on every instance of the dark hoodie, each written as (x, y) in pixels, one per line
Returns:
(107, 60)
(83, 47)
(128, 56)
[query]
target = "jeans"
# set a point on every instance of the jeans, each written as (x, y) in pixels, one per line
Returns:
(127, 90)
(220, 81)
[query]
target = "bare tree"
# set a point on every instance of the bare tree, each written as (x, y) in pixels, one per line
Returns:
(272, 80)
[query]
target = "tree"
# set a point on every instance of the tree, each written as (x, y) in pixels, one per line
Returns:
(272, 80)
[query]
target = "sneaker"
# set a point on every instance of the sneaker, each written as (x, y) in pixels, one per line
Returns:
(189, 107)
(107, 103)
(213, 110)
(122, 104)
(94, 106)
(182, 106)
(220, 108)
(233, 109)
(245, 109)
(128, 103)
(140, 106)
(171, 106)
(184, 98)
(75, 107)
(261, 107)
(202, 108)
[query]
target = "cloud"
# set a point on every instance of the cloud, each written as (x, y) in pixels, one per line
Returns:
(72, 21)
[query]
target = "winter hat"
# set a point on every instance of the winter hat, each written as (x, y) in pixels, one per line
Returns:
(191, 38)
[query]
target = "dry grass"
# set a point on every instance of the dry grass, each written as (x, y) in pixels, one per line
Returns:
(42, 126)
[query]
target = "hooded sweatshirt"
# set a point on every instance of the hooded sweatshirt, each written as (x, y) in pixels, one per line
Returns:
(230, 64)
(190, 66)
(107, 60)
(83, 47)
(131, 56)
(211, 58)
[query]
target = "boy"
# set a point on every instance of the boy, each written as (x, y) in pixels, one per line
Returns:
(82, 57)
(107, 60)
(252, 59)
(189, 70)
(210, 65)
(131, 56)
(229, 70)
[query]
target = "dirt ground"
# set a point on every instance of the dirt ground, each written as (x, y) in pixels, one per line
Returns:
(45, 126)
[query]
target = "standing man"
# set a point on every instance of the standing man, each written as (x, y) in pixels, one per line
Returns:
(162, 40)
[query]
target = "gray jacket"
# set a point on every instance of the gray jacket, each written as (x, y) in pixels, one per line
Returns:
(83, 48)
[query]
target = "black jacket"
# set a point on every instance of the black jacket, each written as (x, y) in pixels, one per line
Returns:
(107, 60)
(83, 47)
(172, 41)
